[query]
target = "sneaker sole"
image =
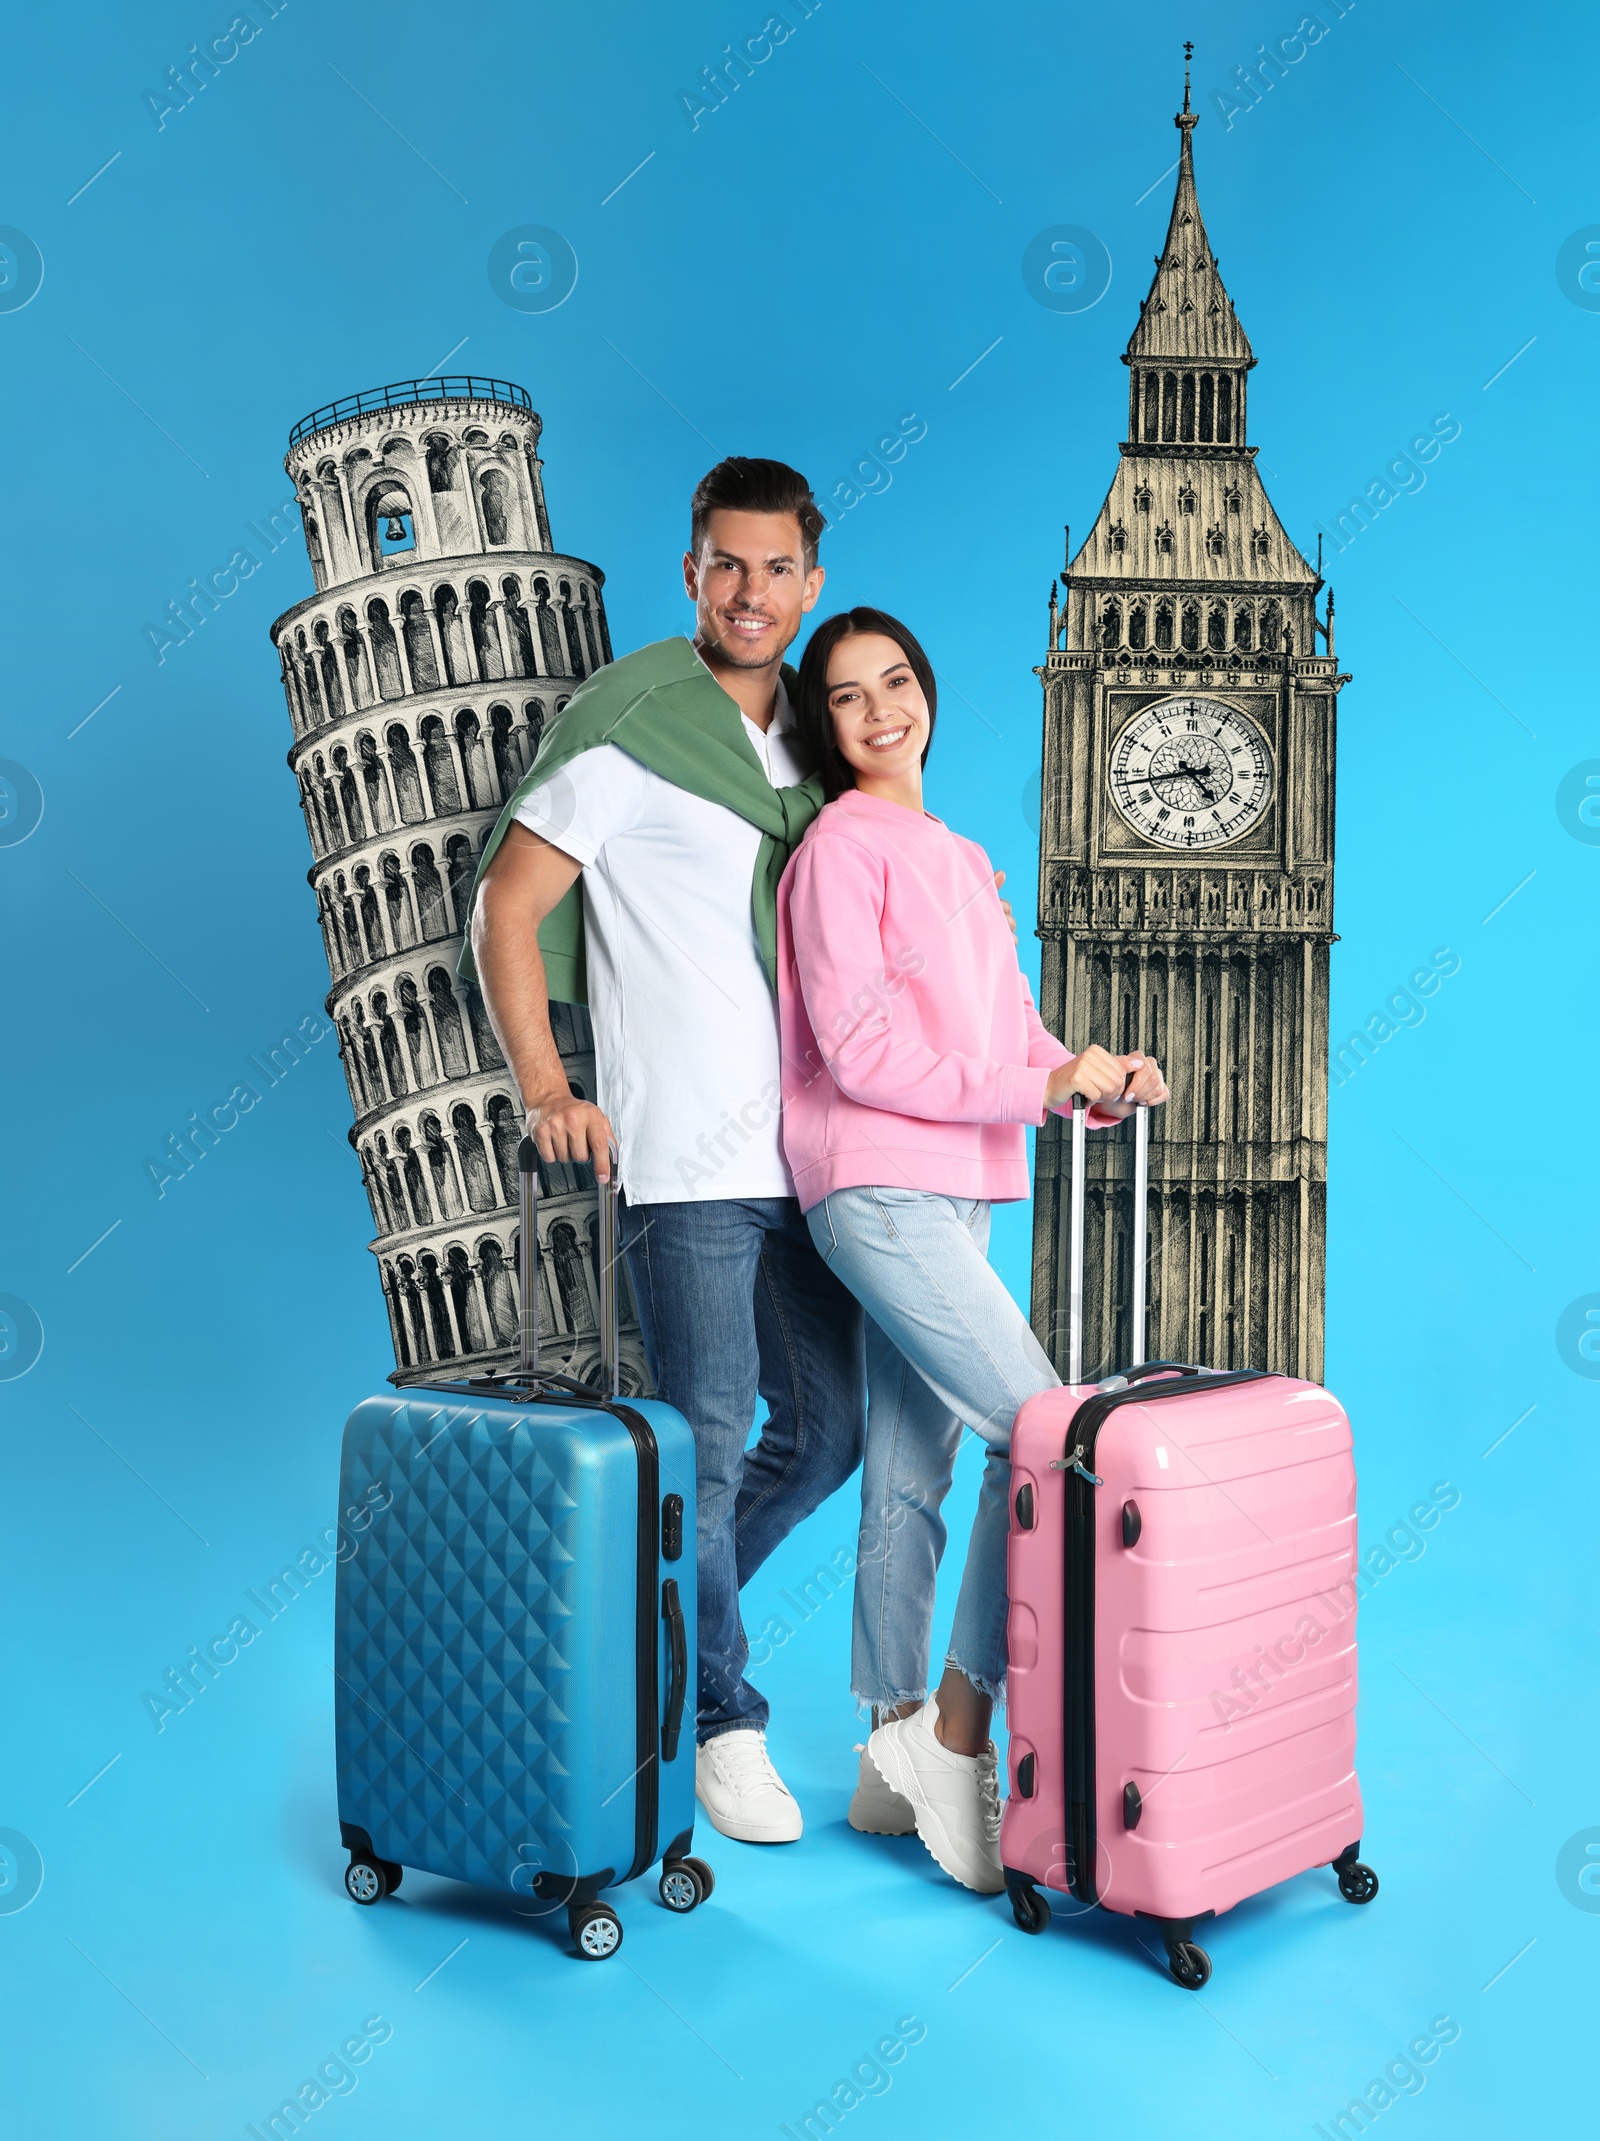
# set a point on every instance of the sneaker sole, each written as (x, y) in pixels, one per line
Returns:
(933, 1838)
(880, 1826)
(746, 1833)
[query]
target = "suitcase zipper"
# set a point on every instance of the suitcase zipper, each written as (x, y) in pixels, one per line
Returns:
(1078, 1706)
(647, 1795)
(1073, 1462)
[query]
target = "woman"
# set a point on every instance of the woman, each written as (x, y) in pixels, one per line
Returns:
(912, 1059)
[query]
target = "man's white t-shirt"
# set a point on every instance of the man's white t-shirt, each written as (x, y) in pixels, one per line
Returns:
(685, 1025)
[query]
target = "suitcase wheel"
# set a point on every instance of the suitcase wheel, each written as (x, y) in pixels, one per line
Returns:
(1357, 1883)
(367, 1880)
(1029, 1909)
(596, 1929)
(685, 1883)
(1190, 1965)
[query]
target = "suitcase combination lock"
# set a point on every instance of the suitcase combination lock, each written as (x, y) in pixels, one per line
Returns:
(672, 1527)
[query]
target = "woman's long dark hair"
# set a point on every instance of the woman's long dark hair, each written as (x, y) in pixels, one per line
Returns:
(812, 717)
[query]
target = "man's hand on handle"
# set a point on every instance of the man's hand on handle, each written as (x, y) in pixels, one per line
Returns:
(1116, 1084)
(566, 1128)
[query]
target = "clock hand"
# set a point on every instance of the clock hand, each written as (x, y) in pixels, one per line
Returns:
(1201, 775)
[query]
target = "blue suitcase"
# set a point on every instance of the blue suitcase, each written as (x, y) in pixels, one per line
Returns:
(515, 1631)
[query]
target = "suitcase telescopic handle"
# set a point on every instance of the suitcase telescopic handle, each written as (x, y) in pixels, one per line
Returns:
(528, 1257)
(1141, 1198)
(528, 1269)
(610, 1332)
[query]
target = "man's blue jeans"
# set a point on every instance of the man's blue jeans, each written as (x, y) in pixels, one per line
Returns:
(734, 1303)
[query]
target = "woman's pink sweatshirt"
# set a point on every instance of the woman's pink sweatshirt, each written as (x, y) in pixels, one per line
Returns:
(912, 1052)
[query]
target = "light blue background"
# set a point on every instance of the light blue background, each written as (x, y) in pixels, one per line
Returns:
(825, 254)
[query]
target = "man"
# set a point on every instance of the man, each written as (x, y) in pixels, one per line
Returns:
(637, 867)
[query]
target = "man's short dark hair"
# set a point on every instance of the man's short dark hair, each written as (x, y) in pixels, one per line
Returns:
(742, 485)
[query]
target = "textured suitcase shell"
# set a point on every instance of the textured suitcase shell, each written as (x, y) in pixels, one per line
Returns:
(486, 1640)
(1224, 1645)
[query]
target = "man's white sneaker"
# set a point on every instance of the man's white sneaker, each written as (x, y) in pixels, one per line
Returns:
(876, 1808)
(954, 1798)
(743, 1795)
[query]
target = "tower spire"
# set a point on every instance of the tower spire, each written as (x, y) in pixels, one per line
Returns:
(1188, 313)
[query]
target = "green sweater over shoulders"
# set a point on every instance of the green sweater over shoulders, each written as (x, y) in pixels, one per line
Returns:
(663, 707)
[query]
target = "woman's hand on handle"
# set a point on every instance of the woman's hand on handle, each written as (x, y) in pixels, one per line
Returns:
(566, 1128)
(1114, 1084)
(1146, 1086)
(1097, 1074)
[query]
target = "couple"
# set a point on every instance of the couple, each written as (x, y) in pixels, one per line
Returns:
(816, 1056)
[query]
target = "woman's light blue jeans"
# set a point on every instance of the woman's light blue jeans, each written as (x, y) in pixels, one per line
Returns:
(947, 1349)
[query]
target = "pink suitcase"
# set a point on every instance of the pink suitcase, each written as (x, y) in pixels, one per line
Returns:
(1181, 1684)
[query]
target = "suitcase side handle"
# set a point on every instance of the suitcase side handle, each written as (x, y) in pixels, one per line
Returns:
(1141, 1200)
(678, 1668)
(528, 1268)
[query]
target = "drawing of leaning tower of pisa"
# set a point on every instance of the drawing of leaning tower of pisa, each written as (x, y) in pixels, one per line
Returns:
(444, 632)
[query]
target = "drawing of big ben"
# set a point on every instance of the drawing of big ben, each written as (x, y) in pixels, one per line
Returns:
(1186, 856)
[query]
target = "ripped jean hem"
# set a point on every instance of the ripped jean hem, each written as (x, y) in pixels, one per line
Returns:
(866, 1704)
(994, 1689)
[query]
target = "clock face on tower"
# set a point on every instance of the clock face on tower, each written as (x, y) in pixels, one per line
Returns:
(1191, 772)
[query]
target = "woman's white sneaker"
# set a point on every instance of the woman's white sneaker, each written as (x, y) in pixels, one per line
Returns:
(954, 1798)
(876, 1808)
(743, 1795)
